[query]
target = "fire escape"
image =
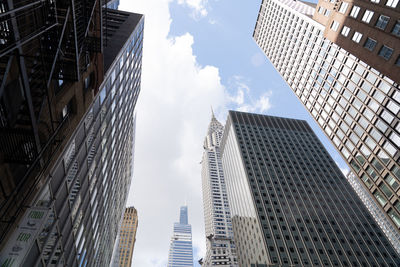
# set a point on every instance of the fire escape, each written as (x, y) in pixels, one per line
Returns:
(45, 46)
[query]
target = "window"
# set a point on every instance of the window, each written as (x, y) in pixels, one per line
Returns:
(372, 173)
(354, 11)
(327, 13)
(370, 44)
(392, 3)
(366, 180)
(367, 16)
(320, 10)
(396, 28)
(392, 182)
(343, 7)
(395, 217)
(377, 165)
(397, 63)
(357, 37)
(66, 109)
(380, 198)
(386, 52)
(375, 1)
(335, 25)
(345, 31)
(382, 22)
(385, 189)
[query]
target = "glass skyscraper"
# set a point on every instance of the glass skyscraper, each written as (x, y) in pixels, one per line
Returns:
(290, 203)
(73, 219)
(181, 250)
(218, 226)
(341, 59)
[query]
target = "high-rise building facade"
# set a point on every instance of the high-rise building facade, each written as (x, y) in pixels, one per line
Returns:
(378, 215)
(127, 237)
(342, 62)
(67, 207)
(181, 249)
(290, 203)
(218, 226)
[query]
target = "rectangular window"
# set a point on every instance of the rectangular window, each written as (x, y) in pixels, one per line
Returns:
(354, 11)
(375, 1)
(385, 52)
(327, 13)
(396, 172)
(335, 25)
(366, 180)
(396, 28)
(392, 182)
(370, 44)
(343, 7)
(377, 165)
(355, 165)
(345, 31)
(385, 189)
(372, 173)
(392, 3)
(380, 198)
(367, 16)
(320, 10)
(357, 37)
(395, 217)
(382, 22)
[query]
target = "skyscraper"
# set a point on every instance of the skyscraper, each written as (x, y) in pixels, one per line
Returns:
(127, 237)
(290, 203)
(341, 59)
(63, 205)
(379, 216)
(218, 226)
(181, 250)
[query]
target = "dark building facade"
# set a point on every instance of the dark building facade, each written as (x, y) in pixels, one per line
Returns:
(290, 203)
(69, 89)
(341, 60)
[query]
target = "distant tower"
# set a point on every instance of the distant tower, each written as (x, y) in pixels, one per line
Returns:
(127, 237)
(181, 250)
(220, 245)
(290, 203)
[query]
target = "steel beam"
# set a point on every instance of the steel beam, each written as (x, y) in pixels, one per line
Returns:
(58, 48)
(76, 39)
(20, 8)
(19, 43)
(3, 82)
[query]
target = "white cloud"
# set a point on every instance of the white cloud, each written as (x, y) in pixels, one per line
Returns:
(173, 113)
(261, 105)
(243, 99)
(198, 6)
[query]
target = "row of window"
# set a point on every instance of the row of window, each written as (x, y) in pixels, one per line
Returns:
(385, 51)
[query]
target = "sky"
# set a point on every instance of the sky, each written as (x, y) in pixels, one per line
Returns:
(197, 54)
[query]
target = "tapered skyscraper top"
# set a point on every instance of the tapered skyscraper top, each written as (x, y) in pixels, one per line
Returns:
(183, 219)
(214, 133)
(218, 227)
(181, 250)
